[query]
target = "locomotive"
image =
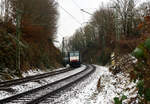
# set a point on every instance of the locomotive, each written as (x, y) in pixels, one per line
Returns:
(73, 58)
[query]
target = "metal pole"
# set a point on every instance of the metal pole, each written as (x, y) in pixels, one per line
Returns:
(102, 37)
(63, 44)
(18, 34)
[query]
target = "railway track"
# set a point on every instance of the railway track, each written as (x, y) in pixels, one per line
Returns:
(39, 94)
(32, 78)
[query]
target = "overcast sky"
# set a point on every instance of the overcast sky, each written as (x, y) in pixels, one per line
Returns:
(71, 17)
(68, 24)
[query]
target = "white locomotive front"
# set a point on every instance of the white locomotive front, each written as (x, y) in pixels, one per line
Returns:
(74, 58)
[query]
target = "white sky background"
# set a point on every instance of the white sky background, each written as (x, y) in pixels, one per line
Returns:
(66, 24)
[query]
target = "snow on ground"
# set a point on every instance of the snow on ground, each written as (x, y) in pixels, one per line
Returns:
(86, 92)
(30, 85)
(37, 71)
(32, 72)
(34, 84)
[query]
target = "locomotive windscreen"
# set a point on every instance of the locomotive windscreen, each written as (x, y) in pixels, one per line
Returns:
(74, 56)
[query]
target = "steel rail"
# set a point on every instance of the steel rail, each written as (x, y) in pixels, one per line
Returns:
(33, 97)
(32, 78)
(42, 98)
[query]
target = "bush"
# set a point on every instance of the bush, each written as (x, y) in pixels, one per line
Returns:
(142, 70)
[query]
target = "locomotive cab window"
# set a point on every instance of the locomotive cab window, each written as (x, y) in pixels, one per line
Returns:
(71, 54)
(76, 54)
(74, 58)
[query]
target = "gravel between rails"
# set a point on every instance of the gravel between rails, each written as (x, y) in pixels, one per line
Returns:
(39, 94)
(31, 78)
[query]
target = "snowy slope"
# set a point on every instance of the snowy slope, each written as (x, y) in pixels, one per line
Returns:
(86, 92)
(34, 84)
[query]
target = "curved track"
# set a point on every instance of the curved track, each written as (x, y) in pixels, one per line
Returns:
(41, 93)
(32, 78)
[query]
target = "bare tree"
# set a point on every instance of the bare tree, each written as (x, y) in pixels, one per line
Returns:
(5, 10)
(144, 9)
(37, 14)
(126, 11)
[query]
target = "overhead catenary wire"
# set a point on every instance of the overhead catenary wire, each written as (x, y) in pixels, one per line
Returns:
(79, 9)
(69, 14)
(75, 19)
(76, 4)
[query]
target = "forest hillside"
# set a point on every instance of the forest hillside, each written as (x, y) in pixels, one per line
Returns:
(27, 33)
